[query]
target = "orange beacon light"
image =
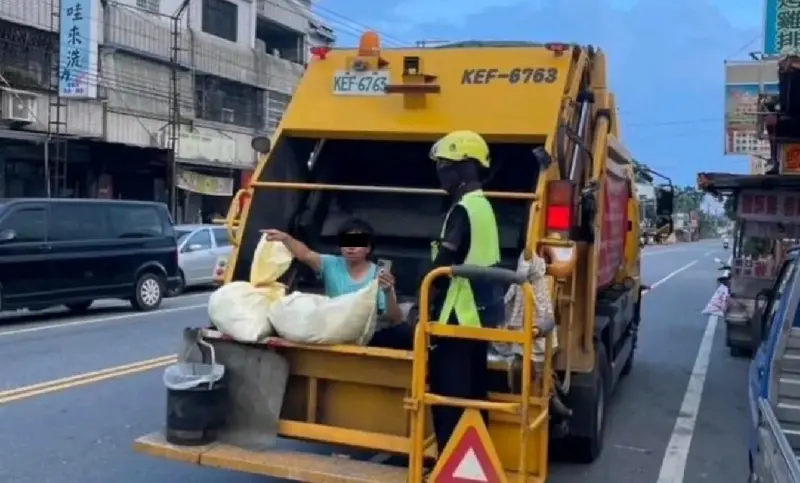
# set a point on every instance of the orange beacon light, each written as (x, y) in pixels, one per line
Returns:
(369, 45)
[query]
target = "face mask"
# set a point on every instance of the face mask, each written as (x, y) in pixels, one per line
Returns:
(449, 178)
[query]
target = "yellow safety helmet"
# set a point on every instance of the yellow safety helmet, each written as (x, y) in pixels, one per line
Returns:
(460, 146)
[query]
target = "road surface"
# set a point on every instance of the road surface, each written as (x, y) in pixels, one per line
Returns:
(679, 417)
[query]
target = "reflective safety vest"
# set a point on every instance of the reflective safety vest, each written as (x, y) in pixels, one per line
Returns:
(465, 298)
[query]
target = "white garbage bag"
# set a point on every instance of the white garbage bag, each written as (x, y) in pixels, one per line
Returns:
(188, 375)
(270, 261)
(719, 302)
(316, 319)
(241, 311)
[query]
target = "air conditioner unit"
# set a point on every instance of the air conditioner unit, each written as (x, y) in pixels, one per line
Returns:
(18, 107)
(228, 115)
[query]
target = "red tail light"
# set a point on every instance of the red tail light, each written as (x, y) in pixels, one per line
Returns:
(560, 202)
(321, 52)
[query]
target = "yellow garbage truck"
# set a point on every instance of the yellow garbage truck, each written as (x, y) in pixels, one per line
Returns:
(355, 141)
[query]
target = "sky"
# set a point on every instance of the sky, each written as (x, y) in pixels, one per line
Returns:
(665, 58)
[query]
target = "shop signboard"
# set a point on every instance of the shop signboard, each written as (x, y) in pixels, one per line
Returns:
(203, 183)
(781, 27)
(79, 36)
(790, 159)
(744, 83)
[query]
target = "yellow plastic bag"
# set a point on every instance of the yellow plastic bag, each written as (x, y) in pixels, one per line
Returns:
(270, 261)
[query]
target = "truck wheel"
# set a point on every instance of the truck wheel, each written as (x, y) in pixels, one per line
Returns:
(590, 401)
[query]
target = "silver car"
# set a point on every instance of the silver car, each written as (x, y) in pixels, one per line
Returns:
(199, 248)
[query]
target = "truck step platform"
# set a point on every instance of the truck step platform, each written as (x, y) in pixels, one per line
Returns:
(291, 465)
(790, 362)
(789, 386)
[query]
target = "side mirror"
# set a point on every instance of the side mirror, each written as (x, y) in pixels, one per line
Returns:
(665, 201)
(195, 247)
(7, 235)
(261, 144)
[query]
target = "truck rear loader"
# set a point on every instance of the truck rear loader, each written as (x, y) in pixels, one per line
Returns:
(354, 141)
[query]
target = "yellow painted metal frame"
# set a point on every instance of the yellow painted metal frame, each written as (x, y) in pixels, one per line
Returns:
(421, 399)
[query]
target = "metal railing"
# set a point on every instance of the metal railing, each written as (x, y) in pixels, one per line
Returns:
(421, 399)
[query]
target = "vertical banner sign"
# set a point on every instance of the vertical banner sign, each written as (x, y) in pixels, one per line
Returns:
(781, 26)
(78, 41)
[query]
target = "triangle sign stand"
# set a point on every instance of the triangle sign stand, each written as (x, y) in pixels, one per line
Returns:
(469, 456)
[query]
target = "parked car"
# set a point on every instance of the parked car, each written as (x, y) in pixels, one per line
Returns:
(199, 248)
(75, 251)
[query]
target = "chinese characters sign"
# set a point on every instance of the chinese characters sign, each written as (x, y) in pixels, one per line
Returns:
(770, 206)
(781, 27)
(203, 184)
(78, 42)
(790, 159)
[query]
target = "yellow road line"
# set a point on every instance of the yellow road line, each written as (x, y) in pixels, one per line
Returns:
(78, 380)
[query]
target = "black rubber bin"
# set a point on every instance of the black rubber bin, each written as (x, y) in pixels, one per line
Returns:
(196, 415)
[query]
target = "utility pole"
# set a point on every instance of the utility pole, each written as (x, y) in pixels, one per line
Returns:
(174, 106)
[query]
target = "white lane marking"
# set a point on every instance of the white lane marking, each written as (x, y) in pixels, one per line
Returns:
(96, 320)
(673, 467)
(708, 253)
(669, 276)
(660, 252)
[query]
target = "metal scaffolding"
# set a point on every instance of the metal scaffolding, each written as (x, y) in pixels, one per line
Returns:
(56, 148)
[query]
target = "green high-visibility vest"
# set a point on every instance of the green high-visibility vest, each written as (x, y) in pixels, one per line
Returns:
(484, 251)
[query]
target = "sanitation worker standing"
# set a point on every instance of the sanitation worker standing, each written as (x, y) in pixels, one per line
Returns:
(458, 367)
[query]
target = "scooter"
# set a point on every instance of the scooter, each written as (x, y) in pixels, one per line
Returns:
(725, 267)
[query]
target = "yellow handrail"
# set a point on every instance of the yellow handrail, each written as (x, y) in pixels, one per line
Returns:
(421, 399)
(381, 189)
(231, 219)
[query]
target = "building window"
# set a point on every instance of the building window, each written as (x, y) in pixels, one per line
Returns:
(152, 6)
(220, 18)
(276, 106)
(229, 102)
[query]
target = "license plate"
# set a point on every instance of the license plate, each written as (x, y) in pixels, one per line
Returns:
(351, 83)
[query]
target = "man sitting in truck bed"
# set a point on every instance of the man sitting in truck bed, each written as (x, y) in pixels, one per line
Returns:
(351, 271)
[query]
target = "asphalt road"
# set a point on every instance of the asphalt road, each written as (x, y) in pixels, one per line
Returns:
(82, 432)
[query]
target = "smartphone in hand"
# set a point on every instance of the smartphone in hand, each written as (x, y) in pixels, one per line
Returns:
(384, 265)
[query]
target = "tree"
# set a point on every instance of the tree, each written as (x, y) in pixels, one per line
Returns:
(688, 199)
(730, 207)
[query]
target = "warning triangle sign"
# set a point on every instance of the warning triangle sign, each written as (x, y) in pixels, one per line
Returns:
(469, 456)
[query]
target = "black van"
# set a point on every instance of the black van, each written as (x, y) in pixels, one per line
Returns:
(74, 251)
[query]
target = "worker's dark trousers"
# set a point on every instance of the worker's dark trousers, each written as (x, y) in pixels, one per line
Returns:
(456, 368)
